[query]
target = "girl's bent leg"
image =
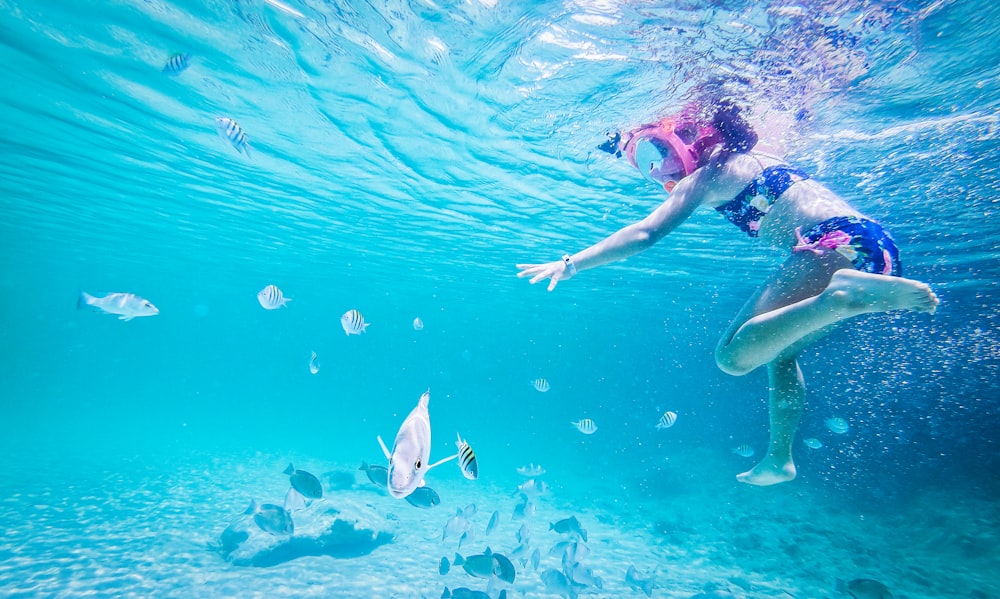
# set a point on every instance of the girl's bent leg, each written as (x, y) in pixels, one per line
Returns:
(786, 401)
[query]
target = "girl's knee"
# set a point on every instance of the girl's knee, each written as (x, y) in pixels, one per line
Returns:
(729, 363)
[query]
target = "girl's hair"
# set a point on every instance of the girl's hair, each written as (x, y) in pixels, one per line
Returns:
(729, 122)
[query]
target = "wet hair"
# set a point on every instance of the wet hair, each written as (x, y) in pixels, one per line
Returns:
(729, 122)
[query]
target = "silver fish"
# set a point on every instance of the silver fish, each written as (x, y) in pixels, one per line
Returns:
(864, 588)
(536, 558)
(377, 474)
(467, 461)
(571, 526)
(294, 500)
(231, 131)
(271, 518)
(126, 305)
(313, 364)
(557, 583)
(411, 452)
(837, 425)
(271, 298)
(494, 520)
(304, 482)
(640, 582)
(353, 323)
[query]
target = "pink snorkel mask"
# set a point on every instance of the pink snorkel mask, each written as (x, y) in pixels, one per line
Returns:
(667, 151)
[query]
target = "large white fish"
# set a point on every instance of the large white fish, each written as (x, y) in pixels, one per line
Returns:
(126, 305)
(409, 459)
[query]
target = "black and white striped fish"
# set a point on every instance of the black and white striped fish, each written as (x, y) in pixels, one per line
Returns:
(585, 426)
(541, 385)
(667, 420)
(467, 459)
(177, 63)
(353, 322)
(231, 131)
(743, 450)
(271, 298)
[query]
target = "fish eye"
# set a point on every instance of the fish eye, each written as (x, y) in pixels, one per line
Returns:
(418, 464)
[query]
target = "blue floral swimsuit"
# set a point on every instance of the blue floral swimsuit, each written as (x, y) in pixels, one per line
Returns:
(868, 246)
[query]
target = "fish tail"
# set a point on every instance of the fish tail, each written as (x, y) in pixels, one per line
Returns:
(364, 466)
(290, 469)
(83, 299)
(252, 508)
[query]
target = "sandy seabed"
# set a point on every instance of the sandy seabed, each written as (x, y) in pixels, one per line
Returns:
(147, 530)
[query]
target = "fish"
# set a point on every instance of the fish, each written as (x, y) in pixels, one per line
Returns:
(488, 565)
(465, 593)
(353, 323)
(531, 470)
(505, 570)
(523, 510)
(423, 497)
(523, 534)
(470, 510)
(541, 385)
(743, 450)
(304, 482)
(271, 298)
(837, 425)
(812, 443)
(557, 584)
(177, 63)
(569, 525)
(536, 558)
(231, 131)
(418, 325)
(585, 426)
(271, 518)
(667, 420)
(580, 574)
(379, 475)
(455, 526)
(864, 588)
(294, 500)
(640, 582)
(313, 364)
(467, 461)
(411, 451)
(444, 567)
(531, 488)
(126, 305)
(494, 520)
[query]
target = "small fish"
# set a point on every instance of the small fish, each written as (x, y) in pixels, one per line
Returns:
(313, 364)
(531, 470)
(418, 325)
(379, 475)
(444, 567)
(812, 443)
(423, 497)
(455, 527)
(640, 582)
(743, 450)
(177, 63)
(837, 425)
(531, 488)
(536, 558)
(305, 483)
(585, 426)
(470, 510)
(667, 420)
(494, 520)
(466, 593)
(584, 575)
(408, 460)
(523, 534)
(126, 305)
(271, 298)
(569, 525)
(271, 518)
(523, 510)
(556, 583)
(467, 461)
(353, 322)
(505, 570)
(231, 131)
(294, 500)
(864, 588)
(541, 385)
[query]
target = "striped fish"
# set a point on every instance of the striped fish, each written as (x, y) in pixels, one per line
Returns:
(743, 450)
(353, 322)
(667, 420)
(231, 130)
(271, 298)
(467, 459)
(541, 385)
(177, 63)
(585, 426)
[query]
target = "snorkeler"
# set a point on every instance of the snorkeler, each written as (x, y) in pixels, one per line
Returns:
(841, 264)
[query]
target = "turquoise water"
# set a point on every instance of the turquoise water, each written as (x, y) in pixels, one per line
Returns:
(403, 157)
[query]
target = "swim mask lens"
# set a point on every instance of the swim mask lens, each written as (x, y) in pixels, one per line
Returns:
(657, 161)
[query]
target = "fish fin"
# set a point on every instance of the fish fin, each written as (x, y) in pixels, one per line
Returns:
(364, 466)
(290, 469)
(446, 594)
(364, 327)
(385, 449)
(125, 318)
(439, 462)
(252, 507)
(459, 560)
(83, 299)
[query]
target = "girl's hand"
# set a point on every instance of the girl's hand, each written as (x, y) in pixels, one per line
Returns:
(550, 270)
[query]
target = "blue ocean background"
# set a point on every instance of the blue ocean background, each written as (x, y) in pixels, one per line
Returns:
(403, 157)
